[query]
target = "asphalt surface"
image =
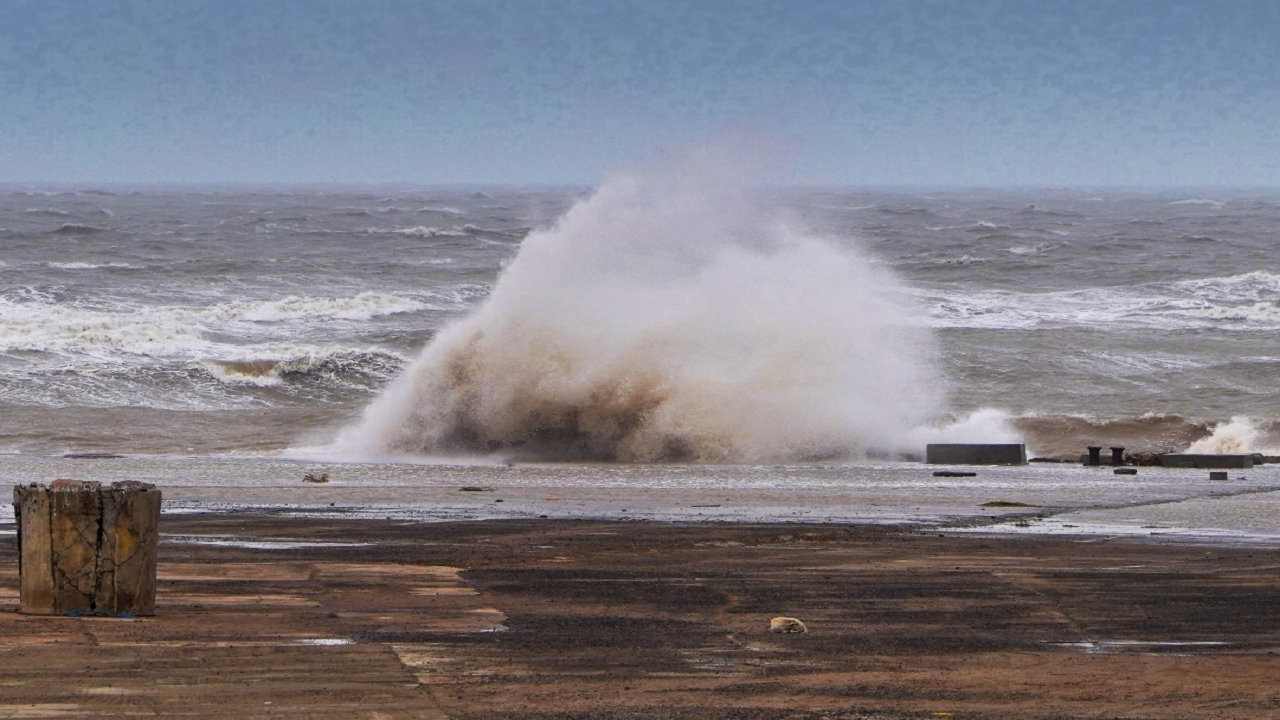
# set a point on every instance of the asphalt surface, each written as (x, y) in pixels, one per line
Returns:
(261, 614)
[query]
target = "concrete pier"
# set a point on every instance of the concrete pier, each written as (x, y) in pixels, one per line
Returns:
(1180, 460)
(976, 454)
(87, 549)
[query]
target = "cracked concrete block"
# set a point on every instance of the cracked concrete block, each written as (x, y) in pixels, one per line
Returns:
(35, 561)
(127, 558)
(87, 549)
(75, 516)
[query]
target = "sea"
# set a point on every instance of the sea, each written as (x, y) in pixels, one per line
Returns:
(223, 339)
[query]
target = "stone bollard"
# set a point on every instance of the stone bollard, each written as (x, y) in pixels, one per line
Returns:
(1095, 455)
(86, 549)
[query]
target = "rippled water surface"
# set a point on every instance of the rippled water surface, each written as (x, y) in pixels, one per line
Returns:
(213, 321)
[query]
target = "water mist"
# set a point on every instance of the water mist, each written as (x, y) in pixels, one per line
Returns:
(669, 317)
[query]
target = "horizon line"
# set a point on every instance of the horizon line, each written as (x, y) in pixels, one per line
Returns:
(234, 185)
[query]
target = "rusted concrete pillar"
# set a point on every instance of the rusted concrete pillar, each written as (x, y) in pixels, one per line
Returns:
(87, 549)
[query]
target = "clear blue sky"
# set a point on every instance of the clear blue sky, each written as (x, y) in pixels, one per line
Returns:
(962, 92)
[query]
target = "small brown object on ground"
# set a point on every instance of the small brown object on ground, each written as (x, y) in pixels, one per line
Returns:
(314, 478)
(786, 625)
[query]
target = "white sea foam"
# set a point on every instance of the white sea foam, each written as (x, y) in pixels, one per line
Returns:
(963, 260)
(1244, 302)
(987, 425)
(77, 229)
(668, 318)
(1264, 313)
(304, 371)
(978, 226)
(1255, 286)
(86, 265)
(1201, 201)
(39, 324)
(1111, 364)
(1240, 435)
(365, 306)
(51, 327)
(1030, 249)
(428, 232)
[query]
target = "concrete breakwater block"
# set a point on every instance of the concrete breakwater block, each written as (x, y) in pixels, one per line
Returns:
(1181, 460)
(83, 548)
(976, 454)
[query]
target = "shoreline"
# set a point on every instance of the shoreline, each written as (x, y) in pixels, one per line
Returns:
(537, 619)
(1159, 503)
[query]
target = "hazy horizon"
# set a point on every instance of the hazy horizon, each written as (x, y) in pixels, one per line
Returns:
(320, 186)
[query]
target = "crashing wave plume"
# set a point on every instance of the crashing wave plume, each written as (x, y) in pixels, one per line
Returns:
(669, 317)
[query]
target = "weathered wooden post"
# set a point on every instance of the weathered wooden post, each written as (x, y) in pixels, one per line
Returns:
(83, 548)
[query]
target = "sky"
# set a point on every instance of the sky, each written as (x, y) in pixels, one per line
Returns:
(866, 92)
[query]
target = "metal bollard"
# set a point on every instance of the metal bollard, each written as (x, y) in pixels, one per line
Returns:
(1095, 455)
(1117, 455)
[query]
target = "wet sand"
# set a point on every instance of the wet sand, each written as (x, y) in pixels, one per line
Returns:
(262, 614)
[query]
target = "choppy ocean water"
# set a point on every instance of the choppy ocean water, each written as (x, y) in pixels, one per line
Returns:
(209, 322)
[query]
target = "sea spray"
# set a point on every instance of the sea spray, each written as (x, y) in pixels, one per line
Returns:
(985, 425)
(669, 317)
(1239, 435)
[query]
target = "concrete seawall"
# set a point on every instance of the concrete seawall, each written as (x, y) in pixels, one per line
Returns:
(976, 454)
(1225, 462)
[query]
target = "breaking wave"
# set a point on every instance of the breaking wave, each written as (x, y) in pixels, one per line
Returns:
(365, 306)
(669, 317)
(423, 231)
(266, 377)
(89, 265)
(351, 369)
(1067, 436)
(1247, 301)
(1201, 201)
(963, 260)
(76, 229)
(47, 326)
(1240, 434)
